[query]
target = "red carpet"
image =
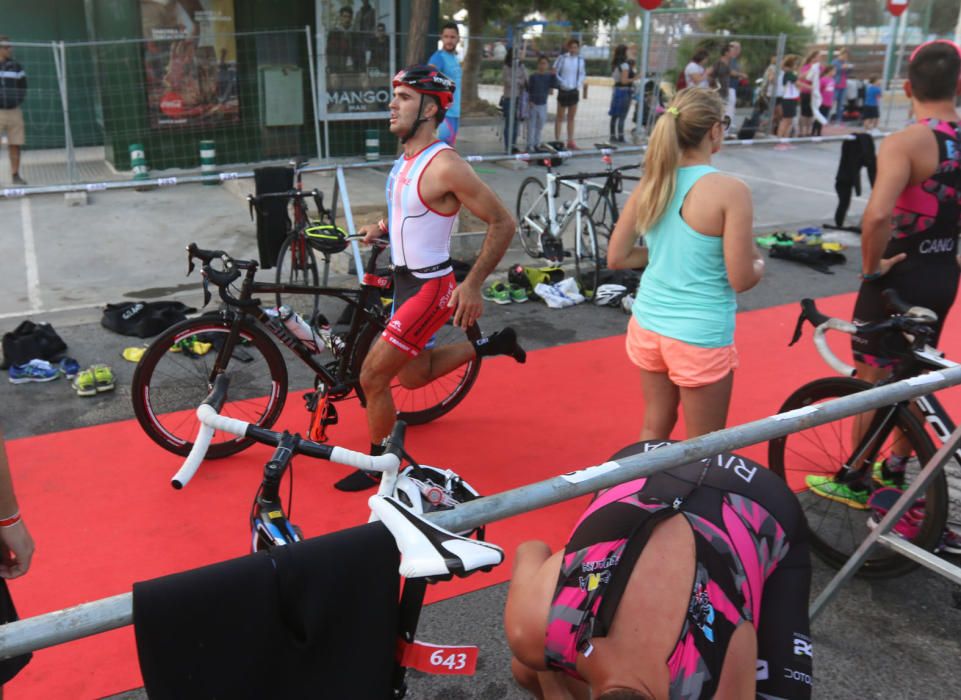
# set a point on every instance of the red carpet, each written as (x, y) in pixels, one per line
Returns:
(103, 514)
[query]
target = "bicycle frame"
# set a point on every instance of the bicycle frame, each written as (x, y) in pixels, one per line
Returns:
(365, 302)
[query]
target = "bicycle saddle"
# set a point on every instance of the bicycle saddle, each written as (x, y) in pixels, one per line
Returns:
(430, 551)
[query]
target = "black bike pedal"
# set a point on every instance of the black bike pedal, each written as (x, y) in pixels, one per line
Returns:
(310, 398)
(330, 415)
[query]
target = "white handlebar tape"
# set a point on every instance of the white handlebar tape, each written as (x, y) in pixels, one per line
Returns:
(351, 458)
(208, 416)
(196, 456)
(834, 324)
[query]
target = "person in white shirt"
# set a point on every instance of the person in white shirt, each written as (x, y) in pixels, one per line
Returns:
(695, 74)
(571, 72)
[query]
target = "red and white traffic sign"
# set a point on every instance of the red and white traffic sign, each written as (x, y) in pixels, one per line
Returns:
(897, 7)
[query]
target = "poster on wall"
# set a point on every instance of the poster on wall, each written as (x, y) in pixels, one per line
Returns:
(355, 58)
(190, 58)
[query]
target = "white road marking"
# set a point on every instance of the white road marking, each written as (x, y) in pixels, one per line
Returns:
(30, 256)
(829, 193)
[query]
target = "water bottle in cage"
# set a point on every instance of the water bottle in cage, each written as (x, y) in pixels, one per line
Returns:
(298, 326)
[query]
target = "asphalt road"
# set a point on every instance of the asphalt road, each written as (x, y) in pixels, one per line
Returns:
(899, 638)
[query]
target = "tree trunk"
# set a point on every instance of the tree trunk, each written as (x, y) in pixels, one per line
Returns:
(417, 32)
(472, 60)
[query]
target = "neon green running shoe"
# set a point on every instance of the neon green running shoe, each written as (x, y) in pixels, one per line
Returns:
(831, 489)
(497, 293)
(895, 481)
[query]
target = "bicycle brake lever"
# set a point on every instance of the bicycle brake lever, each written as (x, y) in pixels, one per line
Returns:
(798, 328)
(190, 264)
(207, 295)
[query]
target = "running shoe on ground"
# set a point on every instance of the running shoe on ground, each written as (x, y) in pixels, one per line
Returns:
(831, 489)
(497, 293)
(909, 525)
(103, 377)
(518, 293)
(33, 371)
(950, 542)
(69, 367)
(85, 384)
(17, 180)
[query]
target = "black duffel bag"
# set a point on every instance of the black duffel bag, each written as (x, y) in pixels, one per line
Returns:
(31, 341)
(144, 319)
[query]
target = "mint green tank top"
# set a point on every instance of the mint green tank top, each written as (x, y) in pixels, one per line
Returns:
(685, 293)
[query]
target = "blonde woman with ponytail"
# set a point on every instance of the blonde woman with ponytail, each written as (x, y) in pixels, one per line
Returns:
(696, 224)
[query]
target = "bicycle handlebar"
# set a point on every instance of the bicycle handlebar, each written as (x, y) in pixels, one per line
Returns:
(914, 321)
(211, 421)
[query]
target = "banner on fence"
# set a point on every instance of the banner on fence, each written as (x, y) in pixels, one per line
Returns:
(190, 59)
(355, 62)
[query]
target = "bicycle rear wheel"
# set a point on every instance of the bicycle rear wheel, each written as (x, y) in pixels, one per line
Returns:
(423, 404)
(532, 215)
(296, 264)
(168, 386)
(586, 262)
(603, 212)
(807, 458)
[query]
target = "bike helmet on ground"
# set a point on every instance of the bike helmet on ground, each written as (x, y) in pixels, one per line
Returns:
(426, 80)
(609, 294)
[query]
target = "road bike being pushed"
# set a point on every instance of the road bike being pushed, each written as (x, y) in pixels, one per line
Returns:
(841, 471)
(179, 368)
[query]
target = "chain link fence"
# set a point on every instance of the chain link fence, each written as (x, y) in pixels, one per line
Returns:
(322, 93)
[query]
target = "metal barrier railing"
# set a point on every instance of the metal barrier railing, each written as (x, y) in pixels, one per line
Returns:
(169, 181)
(62, 626)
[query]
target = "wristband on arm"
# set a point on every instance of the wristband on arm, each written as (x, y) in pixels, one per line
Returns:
(11, 520)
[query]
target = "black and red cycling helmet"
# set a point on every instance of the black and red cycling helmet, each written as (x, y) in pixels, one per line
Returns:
(426, 80)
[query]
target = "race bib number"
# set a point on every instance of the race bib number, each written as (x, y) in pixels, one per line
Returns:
(436, 659)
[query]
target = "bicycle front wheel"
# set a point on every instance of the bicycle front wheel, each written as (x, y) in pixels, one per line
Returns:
(296, 264)
(533, 216)
(836, 500)
(168, 385)
(586, 261)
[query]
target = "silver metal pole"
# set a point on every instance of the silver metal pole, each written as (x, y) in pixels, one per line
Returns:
(512, 107)
(645, 46)
(109, 613)
(781, 44)
(16, 192)
(897, 69)
(349, 216)
(60, 62)
(313, 90)
(889, 51)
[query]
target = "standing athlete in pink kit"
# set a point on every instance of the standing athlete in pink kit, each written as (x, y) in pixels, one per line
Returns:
(426, 188)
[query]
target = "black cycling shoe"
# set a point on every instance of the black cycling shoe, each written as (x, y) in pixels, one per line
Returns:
(503, 342)
(358, 480)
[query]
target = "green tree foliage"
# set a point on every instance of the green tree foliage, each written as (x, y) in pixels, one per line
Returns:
(936, 16)
(758, 18)
(849, 15)
(489, 17)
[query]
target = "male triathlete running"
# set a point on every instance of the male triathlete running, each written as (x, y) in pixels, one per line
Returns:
(641, 604)
(909, 236)
(426, 188)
